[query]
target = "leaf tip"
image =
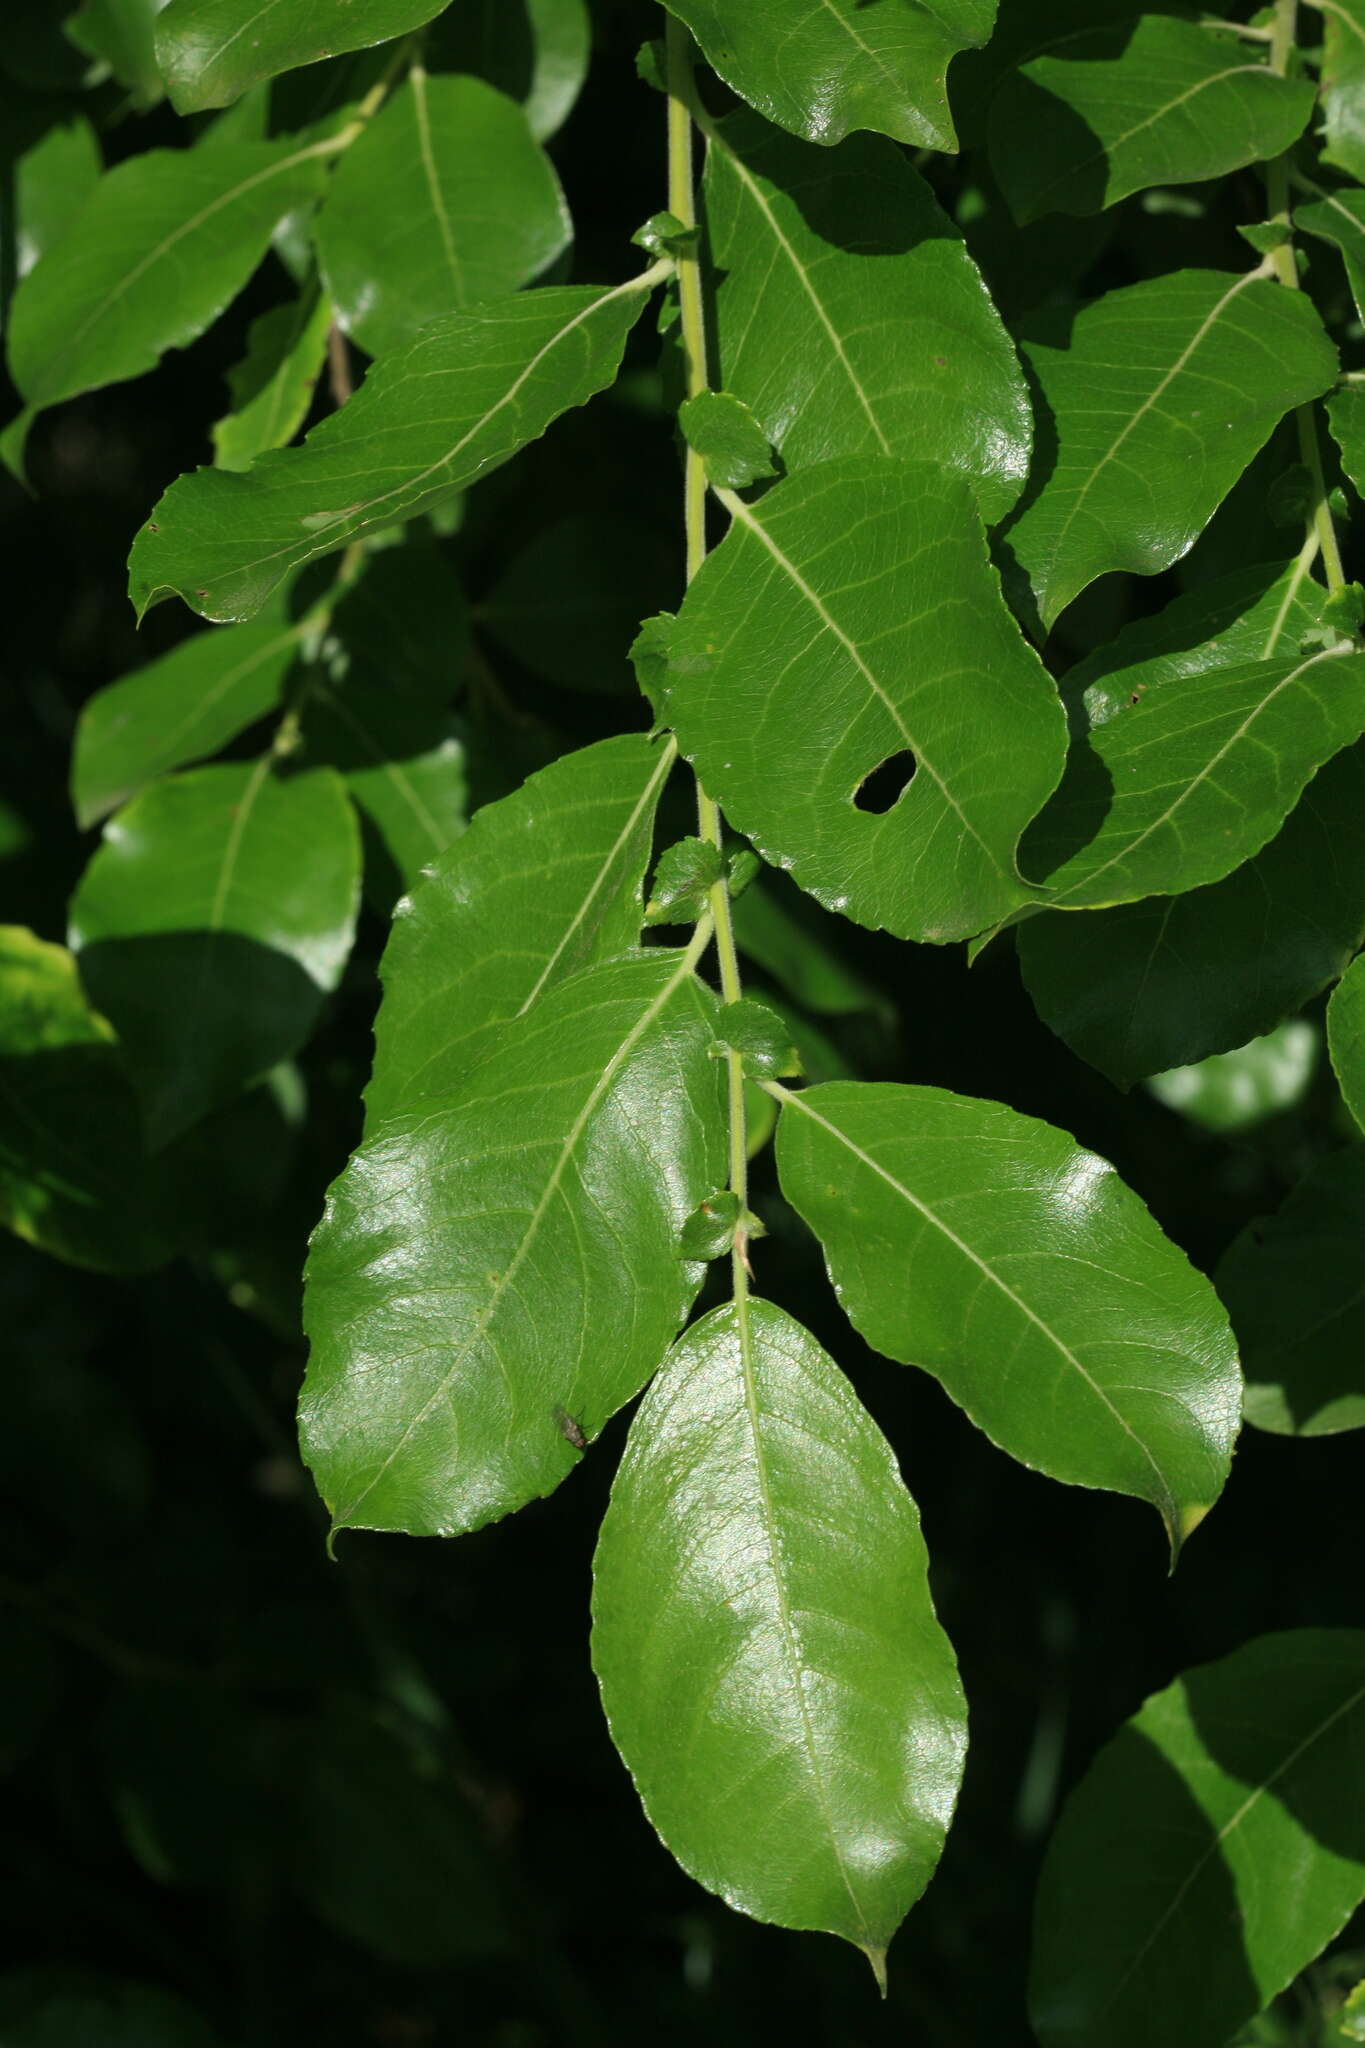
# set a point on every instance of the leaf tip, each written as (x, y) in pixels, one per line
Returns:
(877, 1958)
(1182, 1525)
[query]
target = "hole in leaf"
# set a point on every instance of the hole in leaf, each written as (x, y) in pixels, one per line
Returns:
(886, 784)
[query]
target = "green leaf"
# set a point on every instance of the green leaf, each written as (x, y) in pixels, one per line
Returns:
(761, 1037)
(991, 1250)
(453, 405)
(683, 880)
(1343, 84)
(1346, 1037)
(1194, 778)
(178, 709)
(821, 67)
(1154, 101)
(210, 51)
(771, 1665)
(378, 709)
(848, 619)
(1242, 1853)
(211, 922)
(569, 602)
(52, 182)
(709, 1232)
(1291, 1283)
(1346, 412)
(544, 883)
(733, 447)
(1169, 980)
(477, 1249)
(1156, 401)
(849, 316)
(1339, 218)
(536, 51)
(445, 200)
(272, 387)
(164, 243)
(1234, 1091)
(119, 35)
(72, 1180)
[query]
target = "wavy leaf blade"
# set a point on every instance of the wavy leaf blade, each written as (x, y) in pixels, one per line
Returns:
(1149, 377)
(1019, 1270)
(821, 67)
(476, 1250)
(848, 617)
(849, 316)
(463, 398)
(1153, 101)
(1236, 1770)
(796, 1730)
(545, 883)
(444, 201)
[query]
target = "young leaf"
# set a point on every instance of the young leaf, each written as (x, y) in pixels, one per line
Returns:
(1156, 401)
(1291, 1283)
(991, 1250)
(544, 883)
(1343, 84)
(536, 51)
(178, 709)
(1155, 101)
(771, 1666)
(462, 398)
(1241, 1854)
(821, 67)
(163, 244)
(445, 200)
(508, 1251)
(1188, 783)
(849, 618)
(1169, 980)
(72, 1178)
(210, 51)
(685, 876)
(211, 922)
(849, 316)
(272, 387)
(733, 447)
(1346, 1037)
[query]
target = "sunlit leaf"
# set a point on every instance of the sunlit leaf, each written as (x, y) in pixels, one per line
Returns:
(272, 387)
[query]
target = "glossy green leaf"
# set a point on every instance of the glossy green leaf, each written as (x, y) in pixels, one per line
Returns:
(536, 51)
(163, 244)
(991, 1250)
(1339, 218)
(849, 617)
(1155, 402)
(1346, 1037)
(446, 200)
(683, 880)
(462, 398)
(1346, 411)
(1166, 981)
(378, 708)
(1242, 1850)
(210, 51)
(849, 316)
(178, 709)
(1291, 1283)
(1234, 1091)
(52, 182)
(272, 387)
(569, 602)
(544, 883)
(760, 1036)
(71, 1175)
(478, 1250)
(1152, 101)
(1194, 778)
(821, 67)
(210, 924)
(733, 447)
(118, 34)
(770, 1662)
(1343, 83)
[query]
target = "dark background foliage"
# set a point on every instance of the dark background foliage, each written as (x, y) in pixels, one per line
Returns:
(373, 1800)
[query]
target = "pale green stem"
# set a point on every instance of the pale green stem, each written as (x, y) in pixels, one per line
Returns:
(682, 203)
(1283, 34)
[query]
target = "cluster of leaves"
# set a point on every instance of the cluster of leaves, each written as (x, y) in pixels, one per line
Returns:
(905, 677)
